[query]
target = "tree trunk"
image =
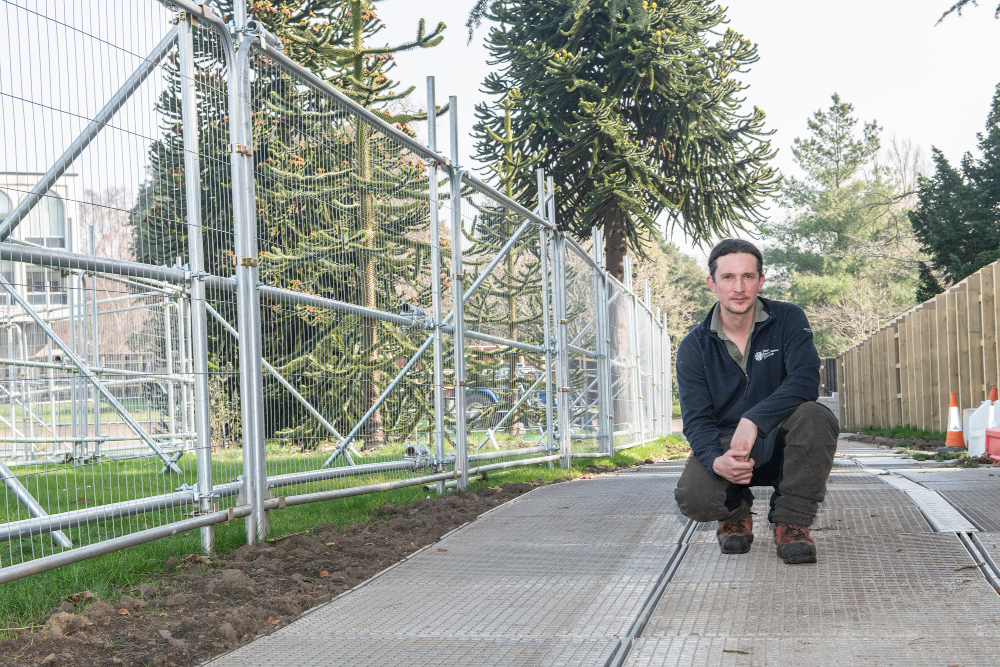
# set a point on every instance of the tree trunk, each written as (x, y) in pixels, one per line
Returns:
(615, 241)
(615, 247)
(373, 431)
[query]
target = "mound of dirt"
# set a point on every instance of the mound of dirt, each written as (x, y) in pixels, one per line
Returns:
(927, 444)
(200, 609)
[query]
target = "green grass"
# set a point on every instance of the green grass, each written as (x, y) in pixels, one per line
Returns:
(918, 455)
(903, 432)
(27, 601)
(139, 408)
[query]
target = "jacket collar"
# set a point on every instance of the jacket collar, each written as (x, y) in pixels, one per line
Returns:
(710, 322)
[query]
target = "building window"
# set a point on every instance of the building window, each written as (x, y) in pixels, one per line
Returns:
(46, 286)
(46, 223)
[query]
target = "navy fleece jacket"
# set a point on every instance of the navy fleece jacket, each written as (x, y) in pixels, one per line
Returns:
(782, 374)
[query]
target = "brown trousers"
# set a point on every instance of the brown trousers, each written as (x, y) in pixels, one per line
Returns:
(798, 469)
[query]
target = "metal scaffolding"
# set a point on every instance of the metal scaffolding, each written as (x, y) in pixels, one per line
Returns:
(357, 314)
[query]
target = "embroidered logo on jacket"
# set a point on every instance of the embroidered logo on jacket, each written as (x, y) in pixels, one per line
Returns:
(764, 354)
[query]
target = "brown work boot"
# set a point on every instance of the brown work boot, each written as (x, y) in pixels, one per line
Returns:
(736, 536)
(794, 544)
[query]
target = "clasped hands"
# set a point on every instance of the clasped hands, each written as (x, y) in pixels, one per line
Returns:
(736, 464)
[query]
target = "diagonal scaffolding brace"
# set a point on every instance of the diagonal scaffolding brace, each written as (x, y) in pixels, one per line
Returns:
(83, 140)
(169, 462)
(24, 496)
(525, 226)
(284, 383)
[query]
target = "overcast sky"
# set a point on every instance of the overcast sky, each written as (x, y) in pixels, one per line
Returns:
(930, 84)
(925, 83)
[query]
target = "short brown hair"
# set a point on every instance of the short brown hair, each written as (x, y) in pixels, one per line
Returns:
(732, 247)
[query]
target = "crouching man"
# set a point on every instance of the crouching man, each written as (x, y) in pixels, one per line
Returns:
(749, 378)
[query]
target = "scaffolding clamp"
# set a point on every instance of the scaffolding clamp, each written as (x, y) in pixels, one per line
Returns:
(420, 455)
(418, 317)
(171, 461)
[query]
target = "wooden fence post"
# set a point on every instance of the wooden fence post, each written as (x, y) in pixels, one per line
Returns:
(990, 379)
(856, 394)
(977, 392)
(943, 367)
(842, 389)
(952, 339)
(964, 362)
(926, 367)
(896, 394)
(903, 332)
(931, 389)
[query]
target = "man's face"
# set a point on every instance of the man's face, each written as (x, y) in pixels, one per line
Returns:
(736, 282)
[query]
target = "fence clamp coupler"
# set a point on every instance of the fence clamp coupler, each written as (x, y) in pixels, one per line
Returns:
(248, 261)
(241, 149)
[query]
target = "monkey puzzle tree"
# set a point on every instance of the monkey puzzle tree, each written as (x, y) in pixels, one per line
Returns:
(509, 301)
(341, 207)
(639, 110)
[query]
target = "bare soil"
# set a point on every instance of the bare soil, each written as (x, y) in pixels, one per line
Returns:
(197, 610)
(927, 444)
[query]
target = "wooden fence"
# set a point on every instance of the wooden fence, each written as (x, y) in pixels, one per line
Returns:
(903, 373)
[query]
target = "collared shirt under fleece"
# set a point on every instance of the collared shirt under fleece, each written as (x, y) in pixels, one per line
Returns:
(781, 373)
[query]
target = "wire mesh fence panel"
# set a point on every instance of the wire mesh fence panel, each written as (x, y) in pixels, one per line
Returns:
(96, 407)
(505, 388)
(644, 363)
(622, 357)
(343, 231)
(582, 325)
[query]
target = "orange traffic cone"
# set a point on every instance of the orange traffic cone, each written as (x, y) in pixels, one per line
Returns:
(954, 440)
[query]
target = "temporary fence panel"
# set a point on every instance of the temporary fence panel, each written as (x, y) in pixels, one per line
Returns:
(100, 349)
(904, 373)
(227, 288)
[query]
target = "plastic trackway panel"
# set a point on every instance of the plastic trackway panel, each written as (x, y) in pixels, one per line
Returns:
(638, 494)
(853, 478)
(947, 474)
(587, 530)
(893, 462)
(909, 650)
(852, 509)
(378, 650)
(888, 592)
(981, 505)
(992, 543)
(547, 579)
(659, 468)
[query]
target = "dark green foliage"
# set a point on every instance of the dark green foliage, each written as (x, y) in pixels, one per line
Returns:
(929, 286)
(638, 109)
(956, 220)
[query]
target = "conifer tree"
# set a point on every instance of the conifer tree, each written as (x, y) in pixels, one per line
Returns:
(639, 109)
(511, 298)
(843, 249)
(342, 213)
(957, 220)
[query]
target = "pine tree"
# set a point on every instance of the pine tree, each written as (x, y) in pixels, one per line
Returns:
(845, 233)
(956, 220)
(639, 110)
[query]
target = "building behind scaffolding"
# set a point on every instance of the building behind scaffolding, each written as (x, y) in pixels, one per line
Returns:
(131, 334)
